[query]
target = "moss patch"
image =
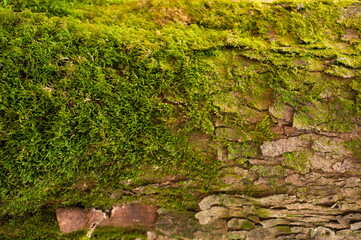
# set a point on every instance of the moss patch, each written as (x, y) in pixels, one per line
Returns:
(297, 161)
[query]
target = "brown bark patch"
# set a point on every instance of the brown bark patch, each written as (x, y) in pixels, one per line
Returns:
(75, 219)
(132, 216)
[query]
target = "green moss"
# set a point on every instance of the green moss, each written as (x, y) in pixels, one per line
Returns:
(263, 131)
(353, 62)
(110, 233)
(269, 171)
(227, 102)
(231, 134)
(296, 160)
(41, 224)
(327, 115)
(180, 197)
(355, 147)
(262, 213)
(356, 85)
(344, 72)
(284, 229)
(242, 151)
(89, 90)
(247, 225)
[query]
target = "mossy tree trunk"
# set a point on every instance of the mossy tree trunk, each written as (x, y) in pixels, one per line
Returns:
(239, 120)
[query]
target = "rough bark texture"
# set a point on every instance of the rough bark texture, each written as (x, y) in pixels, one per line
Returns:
(75, 219)
(133, 216)
(320, 195)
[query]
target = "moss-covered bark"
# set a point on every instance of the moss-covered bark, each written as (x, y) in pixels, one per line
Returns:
(104, 102)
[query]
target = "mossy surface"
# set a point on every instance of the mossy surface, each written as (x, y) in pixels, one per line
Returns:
(284, 229)
(247, 225)
(355, 147)
(262, 213)
(110, 233)
(297, 161)
(91, 92)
